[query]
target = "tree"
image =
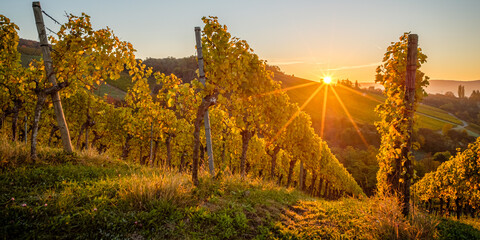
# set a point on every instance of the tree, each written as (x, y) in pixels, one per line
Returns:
(276, 119)
(13, 93)
(446, 128)
(82, 58)
(174, 102)
(245, 109)
(393, 126)
(300, 136)
(362, 165)
(442, 156)
(449, 94)
(475, 96)
(226, 136)
(233, 72)
(461, 91)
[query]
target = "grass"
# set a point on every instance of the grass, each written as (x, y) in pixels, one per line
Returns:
(123, 83)
(110, 91)
(438, 113)
(458, 230)
(473, 127)
(373, 218)
(87, 196)
(26, 59)
(430, 123)
(361, 106)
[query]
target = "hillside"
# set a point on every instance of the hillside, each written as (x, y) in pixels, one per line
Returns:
(442, 86)
(86, 196)
(359, 103)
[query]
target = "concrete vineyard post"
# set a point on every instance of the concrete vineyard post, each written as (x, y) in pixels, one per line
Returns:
(206, 119)
(50, 74)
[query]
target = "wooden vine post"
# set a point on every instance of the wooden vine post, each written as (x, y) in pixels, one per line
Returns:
(409, 100)
(26, 130)
(151, 146)
(300, 176)
(50, 74)
(206, 118)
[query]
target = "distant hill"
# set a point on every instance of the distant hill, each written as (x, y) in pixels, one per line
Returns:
(29, 47)
(441, 86)
(29, 43)
(29, 50)
(360, 103)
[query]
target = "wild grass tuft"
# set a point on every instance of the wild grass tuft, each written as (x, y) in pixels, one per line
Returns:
(17, 154)
(388, 221)
(149, 187)
(12, 153)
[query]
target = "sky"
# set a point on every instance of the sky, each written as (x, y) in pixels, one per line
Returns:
(309, 39)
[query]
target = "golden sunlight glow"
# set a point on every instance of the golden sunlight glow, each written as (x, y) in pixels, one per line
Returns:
(324, 111)
(326, 83)
(295, 114)
(327, 80)
(360, 93)
(350, 117)
(288, 88)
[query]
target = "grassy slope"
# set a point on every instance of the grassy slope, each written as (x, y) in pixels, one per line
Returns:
(123, 83)
(85, 196)
(110, 91)
(360, 105)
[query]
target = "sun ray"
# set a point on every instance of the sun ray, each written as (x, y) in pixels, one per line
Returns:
(295, 114)
(350, 117)
(324, 110)
(359, 93)
(288, 88)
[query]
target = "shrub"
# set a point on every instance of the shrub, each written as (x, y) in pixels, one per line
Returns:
(450, 229)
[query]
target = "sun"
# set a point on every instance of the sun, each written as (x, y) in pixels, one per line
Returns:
(327, 80)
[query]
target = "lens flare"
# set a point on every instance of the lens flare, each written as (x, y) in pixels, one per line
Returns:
(288, 88)
(350, 117)
(295, 114)
(327, 80)
(324, 111)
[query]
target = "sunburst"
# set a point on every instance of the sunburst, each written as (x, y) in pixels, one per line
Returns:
(324, 111)
(350, 117)
(326, 82)
(288, 88)
(359, 93)
(290, 120)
